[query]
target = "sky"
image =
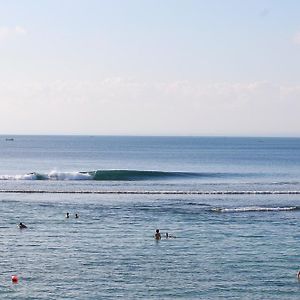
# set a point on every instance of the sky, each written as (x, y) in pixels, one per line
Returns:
(150, 67)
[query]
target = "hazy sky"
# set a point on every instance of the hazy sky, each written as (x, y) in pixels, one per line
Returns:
(149, 67)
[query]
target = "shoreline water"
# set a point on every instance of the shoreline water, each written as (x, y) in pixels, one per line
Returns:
(109, 252)
(237, 224)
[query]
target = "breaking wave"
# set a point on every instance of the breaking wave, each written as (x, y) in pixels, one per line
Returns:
(114, 175)
(253, 209)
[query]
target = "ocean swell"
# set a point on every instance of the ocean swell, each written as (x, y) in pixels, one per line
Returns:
(108, 175)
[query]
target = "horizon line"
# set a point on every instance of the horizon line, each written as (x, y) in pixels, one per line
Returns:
(148, 135)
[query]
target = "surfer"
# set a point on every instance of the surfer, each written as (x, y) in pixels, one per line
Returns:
(298, 275)
(22, 226)
(157, 235)
(67, 215)
(76, 216)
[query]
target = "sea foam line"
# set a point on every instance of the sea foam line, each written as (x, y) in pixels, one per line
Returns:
(253, 209)
(149, 192)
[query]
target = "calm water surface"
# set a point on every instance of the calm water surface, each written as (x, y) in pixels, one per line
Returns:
(235, 246)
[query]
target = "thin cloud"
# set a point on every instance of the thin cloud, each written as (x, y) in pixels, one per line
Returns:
(120, 105)
(296, 38)
(9, 32)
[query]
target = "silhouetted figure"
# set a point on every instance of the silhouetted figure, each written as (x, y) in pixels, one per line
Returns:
(22, 226)
(157, 235)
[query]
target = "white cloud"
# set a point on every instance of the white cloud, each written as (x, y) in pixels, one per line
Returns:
(127, 106)
(8, 32)
(296, 38)
(20, 30)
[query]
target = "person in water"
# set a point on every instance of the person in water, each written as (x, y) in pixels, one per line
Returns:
(157, 235)
(76, 216)
(67, 215)
(22, 226)
(170, 236)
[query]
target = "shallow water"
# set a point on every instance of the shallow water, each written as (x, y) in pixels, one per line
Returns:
(234, 245)
(109, 252)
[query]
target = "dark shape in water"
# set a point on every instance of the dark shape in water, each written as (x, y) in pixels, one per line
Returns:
(22, 226)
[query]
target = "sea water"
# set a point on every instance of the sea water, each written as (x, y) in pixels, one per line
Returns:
(231, 206)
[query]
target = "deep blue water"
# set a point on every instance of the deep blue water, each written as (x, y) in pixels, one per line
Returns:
(232, 203)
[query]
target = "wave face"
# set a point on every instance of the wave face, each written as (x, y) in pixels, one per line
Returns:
(105, 175)
(133, 175)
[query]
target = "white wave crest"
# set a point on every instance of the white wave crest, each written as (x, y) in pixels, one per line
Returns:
(253, 209)
(30, 176)
(54, 175)
(153, 192)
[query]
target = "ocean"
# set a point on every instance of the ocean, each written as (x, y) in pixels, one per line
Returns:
(230, 205)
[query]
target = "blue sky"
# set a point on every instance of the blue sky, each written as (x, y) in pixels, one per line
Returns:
(223, 67)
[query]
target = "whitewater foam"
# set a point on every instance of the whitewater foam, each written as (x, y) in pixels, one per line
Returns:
(150, 192)
(53, 175)
(253, 209)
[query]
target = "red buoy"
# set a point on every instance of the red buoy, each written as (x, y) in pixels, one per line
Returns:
(14, 278)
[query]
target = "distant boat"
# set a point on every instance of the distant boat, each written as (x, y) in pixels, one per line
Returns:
(9, 139)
